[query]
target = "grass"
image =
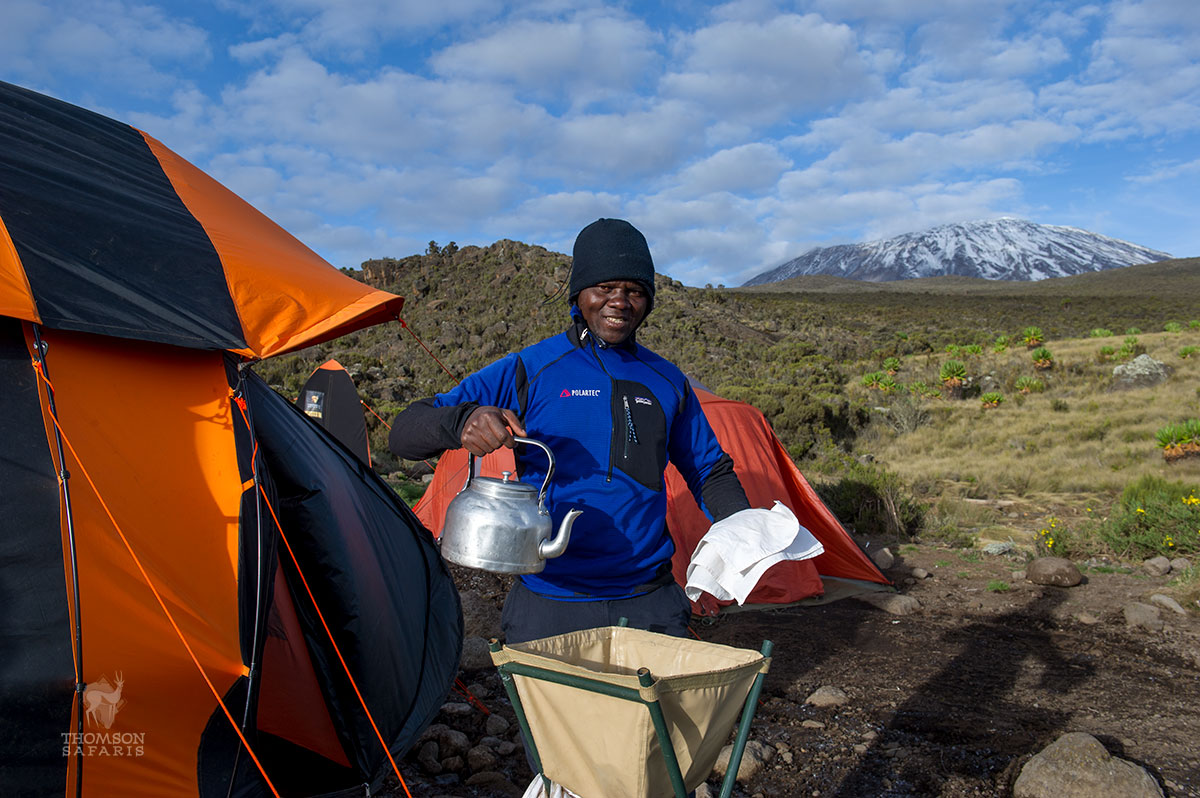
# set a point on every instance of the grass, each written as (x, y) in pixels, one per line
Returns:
(998, 586)
(1075, 437)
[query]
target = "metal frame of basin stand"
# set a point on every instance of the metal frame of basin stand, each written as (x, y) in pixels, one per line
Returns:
(509, 669)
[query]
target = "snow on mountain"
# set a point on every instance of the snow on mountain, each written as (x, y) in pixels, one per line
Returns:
(997, 249)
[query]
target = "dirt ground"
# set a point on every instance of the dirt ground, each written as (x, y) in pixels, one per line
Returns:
(953, 699)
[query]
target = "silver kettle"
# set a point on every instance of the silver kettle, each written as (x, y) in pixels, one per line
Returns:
(502, 525)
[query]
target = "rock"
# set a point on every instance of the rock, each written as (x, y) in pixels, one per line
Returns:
(450, 741)
(427, 758)
(754, 756)
(481, 758)
(920, 573)
(704, 791)
(860, 748)
(1167, 603)
(892, 603)
(1142, 616)
(1141, 372)
(475, 655)
(480, 616)
(454, 764)
(1057, 571)
(827, 696)
(883, 559)
(1018, 576)
(496, 782)
(1087, 618)
(1157, 566)
(456, 709)
(506, 748)
(496, 725)
(1180, 564)
(813, 724)
(1076, 765)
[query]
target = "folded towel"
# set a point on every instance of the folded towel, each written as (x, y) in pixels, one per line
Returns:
(735, 552)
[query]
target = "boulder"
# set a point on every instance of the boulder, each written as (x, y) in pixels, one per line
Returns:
(1142, 616)
(754, 757)
(883, 559)
(1167, 603)
(1180, 564)
(1141, 372)
(1157, 566)
(892, 603)
(1076, 765)
(1057, 571)
(476, 656)
(827, 696)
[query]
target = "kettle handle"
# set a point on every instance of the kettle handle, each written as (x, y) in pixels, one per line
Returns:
(545, 482)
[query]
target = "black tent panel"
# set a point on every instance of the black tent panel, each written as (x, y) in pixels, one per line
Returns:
(134, 263)
(37, 681)
(330, 398)
(377, 577)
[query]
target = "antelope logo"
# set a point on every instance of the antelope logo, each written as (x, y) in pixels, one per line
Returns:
(102, 701)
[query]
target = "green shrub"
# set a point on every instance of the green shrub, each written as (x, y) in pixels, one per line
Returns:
(1032, 337)
(1001, 343)
(953, 372)
(891, 365)
(1133, 331)
(998, 586)
(887, 383)
(991, 399)
(1101, 332)
(1042, 359)
(1153, 517)
(1029, 385)
(874, 500)
(972, 349)
(1194, 324)
(1106, 353)
(1188, 351)
(1173, 327)
(872, 379)
(953, 349)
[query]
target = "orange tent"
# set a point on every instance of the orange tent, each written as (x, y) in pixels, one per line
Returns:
(767, 474)
(201, 593)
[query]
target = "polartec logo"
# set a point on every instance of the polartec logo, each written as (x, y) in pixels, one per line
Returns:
(568, 392)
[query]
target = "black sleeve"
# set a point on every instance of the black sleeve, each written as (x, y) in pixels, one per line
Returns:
(722, 492)
(422, 430)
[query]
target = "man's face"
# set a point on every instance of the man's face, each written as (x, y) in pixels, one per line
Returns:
(613, 309)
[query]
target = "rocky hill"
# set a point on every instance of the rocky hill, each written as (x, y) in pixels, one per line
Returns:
(998, 249)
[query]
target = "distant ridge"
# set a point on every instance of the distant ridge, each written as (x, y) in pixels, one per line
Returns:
(997, 249)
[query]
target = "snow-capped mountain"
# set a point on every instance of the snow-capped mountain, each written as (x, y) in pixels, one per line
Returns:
(998, 249)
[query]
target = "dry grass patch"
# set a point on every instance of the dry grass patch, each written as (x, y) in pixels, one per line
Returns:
(1076, 436)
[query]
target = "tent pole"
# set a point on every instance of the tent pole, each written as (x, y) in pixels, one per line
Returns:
(259, 580)
(64, 476)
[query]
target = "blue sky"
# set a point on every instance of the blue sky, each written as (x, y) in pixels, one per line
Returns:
(735, 135)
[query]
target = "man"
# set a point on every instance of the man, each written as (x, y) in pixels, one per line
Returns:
(613, 413)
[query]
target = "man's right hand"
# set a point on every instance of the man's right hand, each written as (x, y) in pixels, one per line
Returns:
(488, 428)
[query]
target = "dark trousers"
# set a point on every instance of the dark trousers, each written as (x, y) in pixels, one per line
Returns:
(528, 616)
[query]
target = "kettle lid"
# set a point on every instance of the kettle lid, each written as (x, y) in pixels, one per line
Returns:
(506, 488)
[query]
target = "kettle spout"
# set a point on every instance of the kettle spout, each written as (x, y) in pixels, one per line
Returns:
(554, 547)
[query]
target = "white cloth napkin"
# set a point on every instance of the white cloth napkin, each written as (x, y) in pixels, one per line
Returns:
(735, 552)
(537, 789)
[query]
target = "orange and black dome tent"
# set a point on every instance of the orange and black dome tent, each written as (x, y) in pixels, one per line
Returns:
(201, 593)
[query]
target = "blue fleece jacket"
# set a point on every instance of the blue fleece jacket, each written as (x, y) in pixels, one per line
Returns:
(613, 416)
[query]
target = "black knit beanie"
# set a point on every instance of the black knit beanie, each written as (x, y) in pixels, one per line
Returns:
(611, 249)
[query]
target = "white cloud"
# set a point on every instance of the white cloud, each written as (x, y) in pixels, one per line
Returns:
(1167, 172)
(752, 168)
(109, 42)
(765, 71)
(588, 58)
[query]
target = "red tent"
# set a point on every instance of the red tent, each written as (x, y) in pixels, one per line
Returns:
(767, 473)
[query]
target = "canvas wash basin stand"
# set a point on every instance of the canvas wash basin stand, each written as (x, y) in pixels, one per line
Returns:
(621, 711)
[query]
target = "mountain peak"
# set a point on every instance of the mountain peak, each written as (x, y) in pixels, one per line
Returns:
(1005, 248)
